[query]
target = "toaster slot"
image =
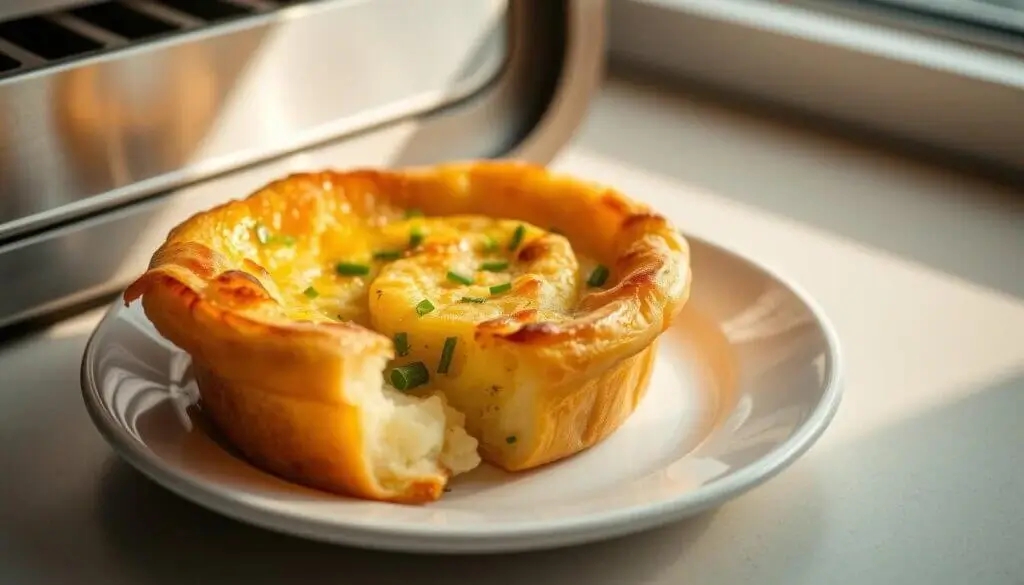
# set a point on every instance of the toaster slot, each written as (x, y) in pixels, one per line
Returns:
(46, 38)
(123, 20)
(208, 10)
(7, 63)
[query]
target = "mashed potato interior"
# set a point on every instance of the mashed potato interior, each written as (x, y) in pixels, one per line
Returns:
(409, 436)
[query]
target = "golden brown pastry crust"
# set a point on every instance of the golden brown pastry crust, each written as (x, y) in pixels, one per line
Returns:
(270, 380)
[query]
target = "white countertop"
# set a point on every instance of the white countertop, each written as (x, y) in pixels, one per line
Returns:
(918, 480)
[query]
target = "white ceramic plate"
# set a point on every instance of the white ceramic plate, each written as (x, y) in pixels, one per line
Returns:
(745, 382)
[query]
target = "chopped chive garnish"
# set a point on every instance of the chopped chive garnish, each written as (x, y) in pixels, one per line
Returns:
(264, 236)
(262, 233)
(387, 255)
(424, 307)
(459, 278)
(446, 354)
(496, 266)
(598, 276)
(500, 288)
(349, 269)
(311, 292)
(415, 237)
(511, 439)
(491, 244)
(409, 376)
(517, 237)
(402, 344)
(476, 300)
(413, 212)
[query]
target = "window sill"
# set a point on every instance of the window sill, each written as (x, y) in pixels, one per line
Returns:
(940, 92)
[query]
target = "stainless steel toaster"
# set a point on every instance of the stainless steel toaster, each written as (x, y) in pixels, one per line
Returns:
(120, 118)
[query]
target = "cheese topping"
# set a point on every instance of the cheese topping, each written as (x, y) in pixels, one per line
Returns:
(429, 283)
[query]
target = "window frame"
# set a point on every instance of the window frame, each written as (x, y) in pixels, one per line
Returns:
(951, 89)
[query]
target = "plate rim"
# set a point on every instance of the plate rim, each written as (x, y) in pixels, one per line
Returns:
(527, 535)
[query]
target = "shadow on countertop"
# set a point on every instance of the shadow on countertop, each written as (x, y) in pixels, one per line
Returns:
(166, 539)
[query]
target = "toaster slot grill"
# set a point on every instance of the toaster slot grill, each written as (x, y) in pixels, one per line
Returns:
(123, 20)
(89, 28)
(46, 38)
(7, 63)
(208, 10)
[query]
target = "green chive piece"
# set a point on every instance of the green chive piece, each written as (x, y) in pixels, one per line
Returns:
(413, 212)
(415, 237)
(500, 288)
(446, 354)
(401, 344)
(491, 244)
(311, 292)
(262, 233)
(424, 307)
(459, 278)
(496, 266)
(476, 300)
(387, 255)
(517, 237)
(598, 276)
(264, 236)
(409, 376)
(349, 269)
(511, 439)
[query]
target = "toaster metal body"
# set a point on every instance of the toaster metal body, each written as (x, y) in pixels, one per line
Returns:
(119, 119)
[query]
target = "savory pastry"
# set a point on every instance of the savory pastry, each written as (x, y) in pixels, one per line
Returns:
(373, 333)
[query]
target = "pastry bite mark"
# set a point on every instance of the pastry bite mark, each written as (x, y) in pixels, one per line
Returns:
(304, 400)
